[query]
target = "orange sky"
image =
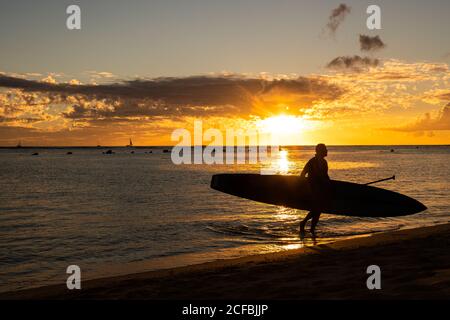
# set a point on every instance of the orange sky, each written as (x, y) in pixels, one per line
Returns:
(395, 103)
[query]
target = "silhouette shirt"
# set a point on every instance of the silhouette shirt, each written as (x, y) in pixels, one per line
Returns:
(317, 170)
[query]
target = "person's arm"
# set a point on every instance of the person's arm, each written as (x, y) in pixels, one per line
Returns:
(326, 170)
(305, 169)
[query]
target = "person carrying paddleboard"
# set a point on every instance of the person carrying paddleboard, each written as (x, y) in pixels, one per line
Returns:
(316, 171)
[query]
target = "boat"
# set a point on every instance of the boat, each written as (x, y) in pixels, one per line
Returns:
(131, 144)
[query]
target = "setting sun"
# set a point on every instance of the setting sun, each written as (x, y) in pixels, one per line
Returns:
(286, 129)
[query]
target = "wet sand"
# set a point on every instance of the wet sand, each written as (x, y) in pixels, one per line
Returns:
(415, 264)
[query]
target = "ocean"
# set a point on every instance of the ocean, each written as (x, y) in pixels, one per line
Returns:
(122, 213)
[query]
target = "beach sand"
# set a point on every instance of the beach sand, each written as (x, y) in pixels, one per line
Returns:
(415, 264)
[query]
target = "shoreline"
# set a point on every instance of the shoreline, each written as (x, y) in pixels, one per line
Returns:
(415, 264)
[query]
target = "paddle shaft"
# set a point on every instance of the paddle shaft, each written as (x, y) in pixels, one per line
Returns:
(390, 178)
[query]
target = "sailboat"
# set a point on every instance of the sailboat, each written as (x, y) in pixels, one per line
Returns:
(19, 145)
(131, 143)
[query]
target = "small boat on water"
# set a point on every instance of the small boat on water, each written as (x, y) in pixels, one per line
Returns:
(131, 144)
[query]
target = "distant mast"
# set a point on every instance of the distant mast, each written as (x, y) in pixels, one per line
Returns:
(131, 143)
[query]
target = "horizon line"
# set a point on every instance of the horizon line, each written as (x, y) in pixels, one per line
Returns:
(191, 146)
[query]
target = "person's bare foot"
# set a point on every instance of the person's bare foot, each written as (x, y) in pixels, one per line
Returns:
(313, 232)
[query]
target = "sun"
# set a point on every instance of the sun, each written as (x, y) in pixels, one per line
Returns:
(284, 129)
(282, 125)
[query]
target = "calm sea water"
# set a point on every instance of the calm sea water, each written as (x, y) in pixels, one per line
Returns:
(121, 213)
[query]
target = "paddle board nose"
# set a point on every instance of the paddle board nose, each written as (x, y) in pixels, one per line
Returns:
(407, 205)
(419, 206)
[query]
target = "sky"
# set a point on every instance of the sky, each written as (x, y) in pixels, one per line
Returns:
(307, 71)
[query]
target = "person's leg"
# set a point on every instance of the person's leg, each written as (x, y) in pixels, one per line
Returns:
(305, 220)
(314, 221)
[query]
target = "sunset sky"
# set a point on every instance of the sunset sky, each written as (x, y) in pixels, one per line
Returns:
(309, 71)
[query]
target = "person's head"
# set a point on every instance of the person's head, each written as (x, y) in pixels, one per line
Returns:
(321, 150)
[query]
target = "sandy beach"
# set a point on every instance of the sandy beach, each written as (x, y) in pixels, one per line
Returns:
(415, 264)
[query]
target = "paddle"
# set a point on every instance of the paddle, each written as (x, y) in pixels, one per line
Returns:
(390, 178)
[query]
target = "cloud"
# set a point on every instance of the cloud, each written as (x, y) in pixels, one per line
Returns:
(336, 17)
(353, 63)
(49, 79)
(436, 96)
(99, 75)
(189, 96)
(19, 120)
(102, 74)
(445, 96)
(368, 43)
(428, 123)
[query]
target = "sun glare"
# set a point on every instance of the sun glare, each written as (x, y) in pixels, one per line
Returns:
(282, 124)
(284, 129)
(283, 162)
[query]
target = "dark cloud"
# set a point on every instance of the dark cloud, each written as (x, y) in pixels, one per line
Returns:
(336, 17)
(427, 123)
(189, 96)
(368, 43)
(19, 120)
(352, 63)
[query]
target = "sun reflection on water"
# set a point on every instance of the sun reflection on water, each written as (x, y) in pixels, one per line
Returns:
(283, 162)
(345, 165)
(292, 246)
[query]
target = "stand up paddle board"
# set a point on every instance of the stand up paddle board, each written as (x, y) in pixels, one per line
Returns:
(346, 198)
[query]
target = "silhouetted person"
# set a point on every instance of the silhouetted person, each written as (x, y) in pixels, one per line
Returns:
(316, 170)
